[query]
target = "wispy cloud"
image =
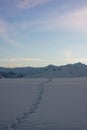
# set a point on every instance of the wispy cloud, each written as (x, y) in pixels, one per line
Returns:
(75, 20)
(19, 62)
(21, 59)
(68, 54)
(8, 59)
(71, 20)
(75, 60)
(3, 26)
(5, 31)
(69, 57)
(24, 4)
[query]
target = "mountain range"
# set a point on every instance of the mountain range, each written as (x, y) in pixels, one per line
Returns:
(50, 71)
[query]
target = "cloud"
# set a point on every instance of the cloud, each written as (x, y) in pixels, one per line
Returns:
(19, 62)
(6, 29)
(75, 20)
(68, 54)
(10, 60)
(3, 26)
(24, 4)
(55, 19)
(83, 60)
(69, 57)
(21, 59)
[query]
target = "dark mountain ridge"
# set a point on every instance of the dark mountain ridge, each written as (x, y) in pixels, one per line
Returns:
(50, 71)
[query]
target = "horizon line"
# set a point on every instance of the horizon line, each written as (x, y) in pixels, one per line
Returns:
(42, 66)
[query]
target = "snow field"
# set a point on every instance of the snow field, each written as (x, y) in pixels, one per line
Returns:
(16, 97)
(43, 104)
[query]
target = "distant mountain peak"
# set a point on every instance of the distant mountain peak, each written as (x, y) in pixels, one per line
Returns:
(50, 66)
(69, 70)
(79, 64)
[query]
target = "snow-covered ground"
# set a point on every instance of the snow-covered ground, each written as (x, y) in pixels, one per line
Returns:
(43, 104)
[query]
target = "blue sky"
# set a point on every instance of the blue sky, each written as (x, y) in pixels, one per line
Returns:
(42, 32)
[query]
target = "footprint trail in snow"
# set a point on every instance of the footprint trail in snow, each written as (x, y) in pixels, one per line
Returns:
(18, 121)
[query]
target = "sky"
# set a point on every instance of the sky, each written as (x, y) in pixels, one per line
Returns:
(42, 32)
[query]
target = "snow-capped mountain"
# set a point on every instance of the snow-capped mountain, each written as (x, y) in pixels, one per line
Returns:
(50, 71)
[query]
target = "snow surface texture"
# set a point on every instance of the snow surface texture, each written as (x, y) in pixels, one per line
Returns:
(43, 104)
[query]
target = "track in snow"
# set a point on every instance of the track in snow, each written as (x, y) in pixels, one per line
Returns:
(20, 118)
